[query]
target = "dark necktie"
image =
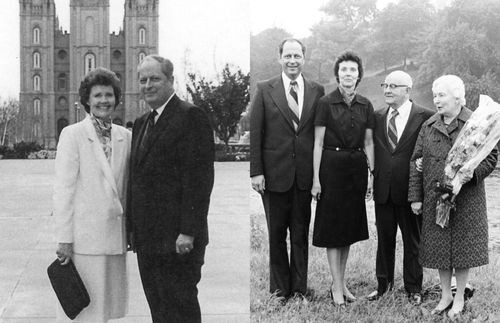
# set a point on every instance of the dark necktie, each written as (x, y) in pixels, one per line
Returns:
(293, 91)
(392, 132)
(150, 123)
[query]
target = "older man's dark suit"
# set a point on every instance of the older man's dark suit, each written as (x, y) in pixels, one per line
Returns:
(170, 184)
(284, 156)
(392, 170)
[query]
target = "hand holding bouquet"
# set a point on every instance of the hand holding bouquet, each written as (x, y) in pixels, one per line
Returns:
(475, 141)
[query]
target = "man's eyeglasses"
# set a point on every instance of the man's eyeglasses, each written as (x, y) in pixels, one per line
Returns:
(391, 86)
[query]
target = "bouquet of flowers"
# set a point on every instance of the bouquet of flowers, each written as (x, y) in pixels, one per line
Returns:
(475, 141)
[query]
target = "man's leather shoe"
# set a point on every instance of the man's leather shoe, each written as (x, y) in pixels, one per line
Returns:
(373, 296)
(415, 298)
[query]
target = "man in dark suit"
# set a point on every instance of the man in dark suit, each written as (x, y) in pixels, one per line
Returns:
(396, 131)
(281, 165)
(171, 179)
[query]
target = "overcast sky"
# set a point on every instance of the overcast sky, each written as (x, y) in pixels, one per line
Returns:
(214, 31)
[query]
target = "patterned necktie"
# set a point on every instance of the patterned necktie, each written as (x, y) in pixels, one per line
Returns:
(150, 123)
(293, 91)
(392, 132)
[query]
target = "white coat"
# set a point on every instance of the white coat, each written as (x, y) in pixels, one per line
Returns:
(90, 192)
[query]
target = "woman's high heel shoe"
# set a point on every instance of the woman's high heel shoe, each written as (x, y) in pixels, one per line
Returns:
(341, 305)
(437, 311)
(346, 298)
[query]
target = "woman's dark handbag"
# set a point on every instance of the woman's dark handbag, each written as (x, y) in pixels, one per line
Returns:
(69, 288)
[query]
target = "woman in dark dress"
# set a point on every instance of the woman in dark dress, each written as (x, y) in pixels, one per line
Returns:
(343, 151)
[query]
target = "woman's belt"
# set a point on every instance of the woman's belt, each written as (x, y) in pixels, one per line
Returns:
(342, 148)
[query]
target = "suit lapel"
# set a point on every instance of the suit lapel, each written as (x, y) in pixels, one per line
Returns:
(160, 126)
(383, 130)
(139, 126)
(307, 105)
(411, 126)
(99, 153)
(278, 95)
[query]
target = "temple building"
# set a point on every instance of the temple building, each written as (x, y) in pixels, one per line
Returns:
(54, 62)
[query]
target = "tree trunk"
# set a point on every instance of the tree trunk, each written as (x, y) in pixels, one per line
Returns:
(4, 132)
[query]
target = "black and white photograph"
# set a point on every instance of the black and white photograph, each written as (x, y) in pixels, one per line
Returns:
(249, 161)
(118, 117)
(369, 116)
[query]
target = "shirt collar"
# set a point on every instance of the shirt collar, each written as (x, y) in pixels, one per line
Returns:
(160, 109)
(403, 110)
(287, 80)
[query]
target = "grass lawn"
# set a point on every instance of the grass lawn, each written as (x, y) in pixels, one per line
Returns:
(361, 280)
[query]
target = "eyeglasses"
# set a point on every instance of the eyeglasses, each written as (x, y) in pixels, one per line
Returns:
(391, 86)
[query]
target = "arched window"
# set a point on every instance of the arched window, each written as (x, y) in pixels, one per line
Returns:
(36, 60)
(37, 130)
(89, 62)
(142, 36)
(61, 81)
(36, 83)
(141, 56)
(63, 103)
(36, 107)
(36, 35)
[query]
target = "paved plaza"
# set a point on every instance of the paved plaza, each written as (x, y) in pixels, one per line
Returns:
(27, 247)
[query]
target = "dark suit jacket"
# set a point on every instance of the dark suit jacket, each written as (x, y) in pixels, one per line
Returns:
(171, 179)
(392, 169)
(277, 151)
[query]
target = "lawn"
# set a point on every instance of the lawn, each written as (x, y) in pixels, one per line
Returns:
(361, 280)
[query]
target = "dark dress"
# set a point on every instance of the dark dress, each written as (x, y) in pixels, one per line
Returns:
(341, 213)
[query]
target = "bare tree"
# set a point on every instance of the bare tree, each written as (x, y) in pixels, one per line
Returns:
(9, 109)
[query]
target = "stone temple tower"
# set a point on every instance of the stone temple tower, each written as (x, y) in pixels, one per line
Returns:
(53, 61)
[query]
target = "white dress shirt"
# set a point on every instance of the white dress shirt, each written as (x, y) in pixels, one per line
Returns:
(160, 109)
(300, 86)
(401, 118)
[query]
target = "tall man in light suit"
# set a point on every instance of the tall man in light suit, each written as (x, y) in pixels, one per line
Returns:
(396, 131)
(171, 179)
(281, 165)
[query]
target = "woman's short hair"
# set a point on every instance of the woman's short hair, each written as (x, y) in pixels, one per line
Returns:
(349, 56)
(99, 76)
(454, 84)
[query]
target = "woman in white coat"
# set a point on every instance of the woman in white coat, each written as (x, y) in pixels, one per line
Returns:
(89, 198)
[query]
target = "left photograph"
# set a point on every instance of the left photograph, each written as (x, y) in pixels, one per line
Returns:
(124, 150)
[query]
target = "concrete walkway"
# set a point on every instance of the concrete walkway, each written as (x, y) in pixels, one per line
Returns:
(27, 248)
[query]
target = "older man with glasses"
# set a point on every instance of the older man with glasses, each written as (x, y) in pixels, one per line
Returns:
(396, 131)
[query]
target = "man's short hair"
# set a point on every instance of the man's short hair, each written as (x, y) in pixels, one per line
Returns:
(167, 67)
(292, 40)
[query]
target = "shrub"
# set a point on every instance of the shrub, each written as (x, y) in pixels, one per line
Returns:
(42, 154)
(23, 149)
(20, 150)
(232, 152)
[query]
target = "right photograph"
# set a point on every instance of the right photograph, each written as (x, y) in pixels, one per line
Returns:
(374, 137)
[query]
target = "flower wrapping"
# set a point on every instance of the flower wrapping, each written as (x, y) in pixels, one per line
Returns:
(475, 141)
